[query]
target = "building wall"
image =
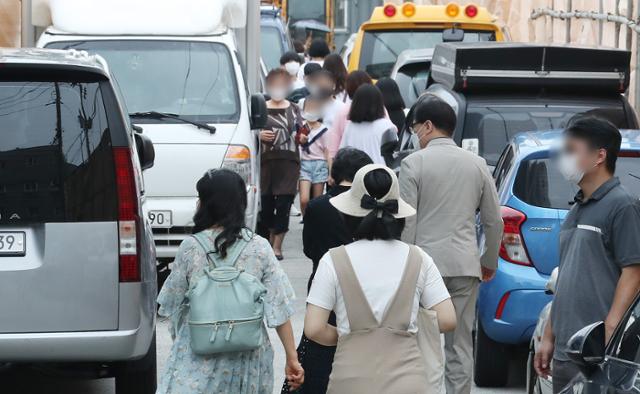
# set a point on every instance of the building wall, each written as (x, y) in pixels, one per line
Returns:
(9, 23)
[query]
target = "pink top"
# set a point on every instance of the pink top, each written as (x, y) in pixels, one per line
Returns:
(320, 148)
(339, 125)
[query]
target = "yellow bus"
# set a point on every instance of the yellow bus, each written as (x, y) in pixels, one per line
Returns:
(395, 28)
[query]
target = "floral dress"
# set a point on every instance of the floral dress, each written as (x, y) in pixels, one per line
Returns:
(240, 372)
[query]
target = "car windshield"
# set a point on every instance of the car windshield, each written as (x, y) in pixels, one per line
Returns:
(381, 48)
(195, 80)
(489, 127)
(412, 81)
(271, 38)
(298, 10)
(539, 183)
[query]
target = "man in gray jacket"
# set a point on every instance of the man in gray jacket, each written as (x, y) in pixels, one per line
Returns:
(448, 186)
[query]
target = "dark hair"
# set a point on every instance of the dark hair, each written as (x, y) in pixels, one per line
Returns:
(319, 48)
(391, 93)
(367, 105)
(311, 68)
(277, 72)
(599, 134)
(290, 56)
(223, 202)
(334, 64)
(298, 46)
(436, 110)
(347, 162)
(355, 80)
(377, 182)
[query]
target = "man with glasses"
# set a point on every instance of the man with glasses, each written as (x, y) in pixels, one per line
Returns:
(448, 185)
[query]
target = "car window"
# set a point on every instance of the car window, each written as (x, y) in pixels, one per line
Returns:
(412, 81)
(271, 38)
(539, 183)
(494, 125)
(503, 169)
(56, 161)
(627, 346)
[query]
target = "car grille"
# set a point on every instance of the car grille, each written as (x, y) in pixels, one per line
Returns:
(171, 236)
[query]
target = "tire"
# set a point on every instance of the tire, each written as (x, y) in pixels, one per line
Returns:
(533, 384)
(139, 376)
(490, 360)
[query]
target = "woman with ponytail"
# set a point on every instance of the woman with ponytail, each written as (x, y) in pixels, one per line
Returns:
(375, 286)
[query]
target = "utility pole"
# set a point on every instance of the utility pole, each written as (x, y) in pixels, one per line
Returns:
(569, 9)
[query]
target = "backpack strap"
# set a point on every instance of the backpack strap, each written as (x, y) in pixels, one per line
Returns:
(202, 240)
(315, 138)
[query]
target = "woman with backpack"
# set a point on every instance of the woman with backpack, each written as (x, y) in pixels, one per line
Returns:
(224, 284)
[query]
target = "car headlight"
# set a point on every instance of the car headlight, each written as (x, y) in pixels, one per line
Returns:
(238, 159)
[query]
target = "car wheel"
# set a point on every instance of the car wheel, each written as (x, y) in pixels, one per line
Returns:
(490, 359)
(533, 382)
(139, 376)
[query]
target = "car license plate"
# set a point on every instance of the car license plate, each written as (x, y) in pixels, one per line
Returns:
(12, 243)
(160, 219)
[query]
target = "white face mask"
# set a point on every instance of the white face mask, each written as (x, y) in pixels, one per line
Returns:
(569, 168)
(311, 116)
(292, 68)
(277, 94)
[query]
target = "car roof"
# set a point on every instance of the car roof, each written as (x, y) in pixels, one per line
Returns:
(53, 57)
(539, 141)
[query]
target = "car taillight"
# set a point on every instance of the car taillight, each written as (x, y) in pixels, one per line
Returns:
(128, 216)
(471, 11)
(238, 159)
(390, 10)
(512, 247)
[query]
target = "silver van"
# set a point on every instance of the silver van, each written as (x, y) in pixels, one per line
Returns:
(77, 259)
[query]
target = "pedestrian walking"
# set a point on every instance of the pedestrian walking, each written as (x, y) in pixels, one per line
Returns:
(223, 240)
(368, 129)
(301, 93)
(318, 50)
(354, 80)
(375, 285)
(448, 186)
(334, 64)
(323, 85)
(280, 159)
(393, 101)
(315, 159)
(599, 273)
(292, 62)
(316, 359)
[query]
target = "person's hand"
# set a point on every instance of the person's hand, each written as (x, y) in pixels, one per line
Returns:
(487, 274)
(267, 136)
(304, 138)
(294, 373)
(542, 358)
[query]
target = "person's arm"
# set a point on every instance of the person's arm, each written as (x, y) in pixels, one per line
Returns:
(626, 290)
(446, 313)
(293, 370)
(544, 352)
(492, 225)
(409, 193)
(388, 144)
(317, 328)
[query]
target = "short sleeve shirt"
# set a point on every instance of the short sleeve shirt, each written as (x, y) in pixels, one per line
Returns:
(379, 266)
(599, 237)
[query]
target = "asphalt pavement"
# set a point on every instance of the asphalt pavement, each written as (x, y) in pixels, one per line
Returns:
(297, 266)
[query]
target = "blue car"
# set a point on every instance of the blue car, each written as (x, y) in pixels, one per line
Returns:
(535, 199)
(274, 36)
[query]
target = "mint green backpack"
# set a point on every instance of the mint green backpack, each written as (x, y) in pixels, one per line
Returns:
(226, 307)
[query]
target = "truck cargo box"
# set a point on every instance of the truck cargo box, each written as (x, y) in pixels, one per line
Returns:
(474, 66)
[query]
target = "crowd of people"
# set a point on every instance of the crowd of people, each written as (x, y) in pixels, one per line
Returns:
(395, 260)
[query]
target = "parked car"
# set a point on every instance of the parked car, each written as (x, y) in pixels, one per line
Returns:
(274, 36)
(77, 259)
(535, 199)
(411, 73)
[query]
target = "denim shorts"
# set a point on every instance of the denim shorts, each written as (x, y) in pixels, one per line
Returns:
(314, 171)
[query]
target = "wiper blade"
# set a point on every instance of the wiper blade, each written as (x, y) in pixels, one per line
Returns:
(165, 115)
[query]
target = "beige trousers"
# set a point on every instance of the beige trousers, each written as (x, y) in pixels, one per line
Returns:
(458, 345)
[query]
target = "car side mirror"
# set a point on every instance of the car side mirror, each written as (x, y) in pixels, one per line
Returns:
(146, 152)
(258, 112)
(587, 347)
(452, 35)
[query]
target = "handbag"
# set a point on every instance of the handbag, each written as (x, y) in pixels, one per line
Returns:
(430, 346)
(226, 307)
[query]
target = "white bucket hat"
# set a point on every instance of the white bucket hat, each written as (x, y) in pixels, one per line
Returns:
(357, 201)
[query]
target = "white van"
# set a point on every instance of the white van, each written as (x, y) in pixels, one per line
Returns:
(179, 70)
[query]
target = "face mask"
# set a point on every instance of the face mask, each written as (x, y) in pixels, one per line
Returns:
(311, 116)
(568, 166)
(277, 94)
(292, 68)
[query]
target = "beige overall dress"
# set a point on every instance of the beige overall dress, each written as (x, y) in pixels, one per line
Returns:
(377, 357)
